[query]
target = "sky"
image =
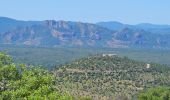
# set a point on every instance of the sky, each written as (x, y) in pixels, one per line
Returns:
(125, 11)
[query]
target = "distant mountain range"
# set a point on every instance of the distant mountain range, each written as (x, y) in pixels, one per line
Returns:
(159, 29)
(53, 33)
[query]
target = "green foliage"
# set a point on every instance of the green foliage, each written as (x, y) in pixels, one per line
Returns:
(9, 72)
(27, 83)
(160, 93)
(5, 59)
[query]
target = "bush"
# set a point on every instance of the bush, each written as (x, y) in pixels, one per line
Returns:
(24, 83)
(160, 93)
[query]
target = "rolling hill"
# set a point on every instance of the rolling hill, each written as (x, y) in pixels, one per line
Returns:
(103, 77)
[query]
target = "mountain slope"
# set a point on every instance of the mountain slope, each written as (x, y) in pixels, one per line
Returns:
(51, 33)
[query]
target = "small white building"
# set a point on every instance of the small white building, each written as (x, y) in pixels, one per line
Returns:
(148, 66)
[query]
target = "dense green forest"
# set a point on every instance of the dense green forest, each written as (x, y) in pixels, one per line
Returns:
(91, 78)
(49, 57)
(107, 77)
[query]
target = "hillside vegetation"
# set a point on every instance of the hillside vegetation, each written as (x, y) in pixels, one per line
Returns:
(99, 77)
(28, 83)
(159, 93)
(106, 77)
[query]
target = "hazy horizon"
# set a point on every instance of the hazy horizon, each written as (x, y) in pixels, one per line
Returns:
(85, 22)
(128, 12)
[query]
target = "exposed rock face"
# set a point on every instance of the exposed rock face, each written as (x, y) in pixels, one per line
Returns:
(66, 33)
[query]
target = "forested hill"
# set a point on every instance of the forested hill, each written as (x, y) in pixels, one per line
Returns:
(106, 76)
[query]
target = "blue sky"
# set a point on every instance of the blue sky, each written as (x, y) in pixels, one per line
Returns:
(126, 11)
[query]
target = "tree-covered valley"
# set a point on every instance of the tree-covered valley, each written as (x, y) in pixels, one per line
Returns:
(48, 57)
